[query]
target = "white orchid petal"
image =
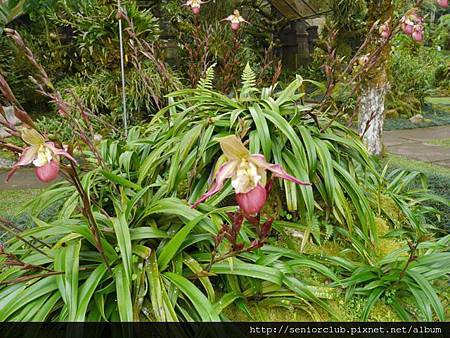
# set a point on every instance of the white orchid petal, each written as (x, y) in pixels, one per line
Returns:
(44, 156)
(246, 178)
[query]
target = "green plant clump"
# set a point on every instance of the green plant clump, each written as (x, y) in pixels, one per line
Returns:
(158, 259)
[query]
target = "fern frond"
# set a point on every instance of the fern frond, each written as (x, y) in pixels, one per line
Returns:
(207, 81)
(328, 231)
(314, 228)
(248, 81)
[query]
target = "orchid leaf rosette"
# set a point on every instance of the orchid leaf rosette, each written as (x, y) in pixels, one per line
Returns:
(248, 174)
(43, 155)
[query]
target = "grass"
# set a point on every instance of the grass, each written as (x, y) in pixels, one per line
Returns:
(442, 142)
(12, 201)
(438, 100)
(434, 115)
(438, 183)
(11, 205)
(426, 168)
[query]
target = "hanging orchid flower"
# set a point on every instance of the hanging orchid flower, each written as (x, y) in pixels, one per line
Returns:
(248, 176)
(413, 26)
(385, 31)
(195, 5)
(407, 25)
(235, 20)
(417, 34)
(44, 156)
(442, 3)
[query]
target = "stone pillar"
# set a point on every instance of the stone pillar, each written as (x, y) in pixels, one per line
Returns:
(289, 47)
(313, 36)
(295, 45)
(303, 55)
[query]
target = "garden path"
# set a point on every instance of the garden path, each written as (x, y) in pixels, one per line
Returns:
(23, 179)
(420, 144)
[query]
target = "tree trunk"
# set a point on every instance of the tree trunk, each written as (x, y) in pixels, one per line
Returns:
(371, 117)
(371, 102)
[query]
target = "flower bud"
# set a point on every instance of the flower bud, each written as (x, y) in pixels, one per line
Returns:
(417, 35)
(443, 3)
(253, 201)
(196, 10)
(48, 172)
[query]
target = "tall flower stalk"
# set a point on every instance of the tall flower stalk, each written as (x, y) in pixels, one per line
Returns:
(44, 154)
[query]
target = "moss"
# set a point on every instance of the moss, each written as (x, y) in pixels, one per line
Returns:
(329, 248)
(344, 311)
(382, 312)
(381, 226)
(258, 311)
(7, 155)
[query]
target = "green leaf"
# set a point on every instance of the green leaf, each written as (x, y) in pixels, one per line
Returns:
(198, 299)
(67, 261)
(122, 232)
(124, 303)
(226, 300)
(431, 295)
(171, 248)
(35, 291)
(370, 302)
(262, 128)
(87, 290)
(250, 270)
(120, 180)
(196, 268)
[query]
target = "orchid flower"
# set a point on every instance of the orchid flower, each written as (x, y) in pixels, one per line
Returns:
(195, 5)
(442, 3)
(43, 155)
(408, 24)
(413, 26)
(235, 20)
(248, 175)
(385, 30)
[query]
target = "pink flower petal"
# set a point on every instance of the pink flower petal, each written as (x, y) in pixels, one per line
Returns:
(253, 201)
(225, 171)
(11, 173)
(60, 152)
(47, 172)
(276, 169)
(28, 155)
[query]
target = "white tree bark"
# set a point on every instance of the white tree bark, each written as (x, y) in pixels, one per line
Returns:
(371, 117)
